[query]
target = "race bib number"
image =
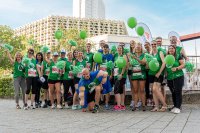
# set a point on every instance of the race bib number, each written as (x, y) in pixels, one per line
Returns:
(116, 73)
(103, 67)
(32, 72)
(61, 71)
(47, 71)
(136, 69)
(55, 70)
(70, 75)
(88, 65)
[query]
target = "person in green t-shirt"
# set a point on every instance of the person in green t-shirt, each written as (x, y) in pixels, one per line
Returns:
(138, 76)
(132, 50)
(46, 70)
(156, 79)
(175, 79)
(31, 79)
(19, 77)
(68, 78)
(54, 80)
(89, 57)
(120, 75)
(81, 63)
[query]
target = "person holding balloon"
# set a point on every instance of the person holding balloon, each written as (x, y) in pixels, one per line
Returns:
(31, 79)
(138, 76)
(79, 62)
(120, 73)
(175, 78)
(19, 77)
(132, 51)
(156, 72)
(54, 80)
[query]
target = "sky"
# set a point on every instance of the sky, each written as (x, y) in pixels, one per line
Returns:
(161, 16)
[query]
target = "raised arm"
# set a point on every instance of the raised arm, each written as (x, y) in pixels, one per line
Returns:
(10, 57)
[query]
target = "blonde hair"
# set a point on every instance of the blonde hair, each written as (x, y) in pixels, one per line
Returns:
(16, 54)
(140, 44)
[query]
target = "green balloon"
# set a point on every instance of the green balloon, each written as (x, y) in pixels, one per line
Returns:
(121, 62)
(169, 60)
(72, 43)
(140, 31)
(132, 22)
(58, 34)
(97, 58)
(154, 65)
(83, 34)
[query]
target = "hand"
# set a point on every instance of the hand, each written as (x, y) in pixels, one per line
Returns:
(174, 69)
(120, 77)
(157, 75)
(133, 56)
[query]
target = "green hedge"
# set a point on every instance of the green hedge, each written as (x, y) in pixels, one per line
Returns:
(6, 87)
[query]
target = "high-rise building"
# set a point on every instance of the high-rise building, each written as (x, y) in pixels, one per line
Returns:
(43, 30)
(89, 9)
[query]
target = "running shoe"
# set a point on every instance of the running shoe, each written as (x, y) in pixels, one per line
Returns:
(53, 106)
(59, 106)
(106, 107)
(25, 107)
(132, 104)
(123, 107)
(95, 109)
(177, 111)
(74, 107)
(117, 108)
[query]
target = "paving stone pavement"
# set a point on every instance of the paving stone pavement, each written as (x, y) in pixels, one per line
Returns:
(69, 121)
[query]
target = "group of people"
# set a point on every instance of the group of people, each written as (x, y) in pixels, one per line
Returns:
(96, 81)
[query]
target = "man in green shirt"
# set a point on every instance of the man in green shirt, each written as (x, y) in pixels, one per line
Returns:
(89, 57)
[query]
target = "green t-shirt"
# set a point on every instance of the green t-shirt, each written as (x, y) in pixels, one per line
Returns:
(178, 51)
(173, 75)
(62, 59)
(157, 56)
(54, 72)
(40, 66)
(81, 64)
(68, 71)
(30, 69)
(46, 68)
(118, 71)
(89, 60)
(138, 70)
(18, 70)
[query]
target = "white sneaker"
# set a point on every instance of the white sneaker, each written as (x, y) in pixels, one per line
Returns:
(26, 107)
(53, 106)
(67, 106)
(177, 111)
(33, 106)
(139, 104)
(172, 111)
(59, 107)
(132, 104)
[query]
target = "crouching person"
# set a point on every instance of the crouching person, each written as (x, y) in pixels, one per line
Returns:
(90, 87)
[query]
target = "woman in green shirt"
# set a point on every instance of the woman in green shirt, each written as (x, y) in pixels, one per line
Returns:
(31, 79)
(19, 77)
(54, 80)
(156, 79)
(79, 61)
(138, 76)
(175, 79)
(120, 75)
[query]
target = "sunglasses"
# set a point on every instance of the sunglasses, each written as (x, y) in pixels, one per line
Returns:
(30, 52)
(154, 44)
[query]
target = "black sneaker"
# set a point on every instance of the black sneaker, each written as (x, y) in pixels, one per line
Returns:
(45, 105)
(95, 109)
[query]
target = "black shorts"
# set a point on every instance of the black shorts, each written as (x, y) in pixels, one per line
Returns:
(118, 88)
(129, 72)
(153, 79)
(91, 97)
(45, 84)
(76, 80)
(53, 81)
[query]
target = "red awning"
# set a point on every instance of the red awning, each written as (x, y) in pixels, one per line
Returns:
(190, 37)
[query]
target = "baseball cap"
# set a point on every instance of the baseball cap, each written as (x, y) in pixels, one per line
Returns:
(55, 54)
(62, 51)
(49, 51)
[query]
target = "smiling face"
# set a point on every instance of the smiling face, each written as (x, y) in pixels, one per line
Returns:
(119, 49)
(18, 57)
(159, 41)
(154, 45)
(69, 56)
(88, 46)
(132, 44)
(171, 50)
(138, 48)
(75, 53)
(173, 40)
(30, 53)
(147, 46)
(62, 55)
